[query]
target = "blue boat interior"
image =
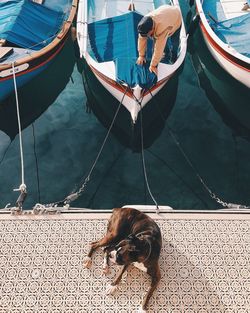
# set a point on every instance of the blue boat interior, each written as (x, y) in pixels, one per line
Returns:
(232, 31)
(115, 39)
(26, 24)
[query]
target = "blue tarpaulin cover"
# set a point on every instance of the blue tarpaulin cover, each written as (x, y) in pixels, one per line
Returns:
(214, 7)
(27, 24)
(115, 39)
(235, 32)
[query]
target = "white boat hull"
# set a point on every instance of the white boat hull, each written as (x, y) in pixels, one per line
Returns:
(133, 99)
(236, 64)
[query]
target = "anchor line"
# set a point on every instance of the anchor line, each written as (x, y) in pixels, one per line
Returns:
(75, 195)
(143, 159)
(210, 192)
(139, 101)
(179, 177)
(225, 205)
(22, 187)
(19, 125)
(104, 177)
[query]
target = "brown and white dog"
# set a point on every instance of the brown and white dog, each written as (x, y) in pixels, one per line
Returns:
(132, 238)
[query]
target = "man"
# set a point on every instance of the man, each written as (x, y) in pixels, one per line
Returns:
(159, 25)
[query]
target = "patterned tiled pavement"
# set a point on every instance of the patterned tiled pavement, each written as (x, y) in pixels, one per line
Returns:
(205, 265)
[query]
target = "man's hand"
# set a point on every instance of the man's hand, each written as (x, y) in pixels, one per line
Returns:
(153, 69)
(141, 60)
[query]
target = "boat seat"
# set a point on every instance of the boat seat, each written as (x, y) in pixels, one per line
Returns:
(5, 51)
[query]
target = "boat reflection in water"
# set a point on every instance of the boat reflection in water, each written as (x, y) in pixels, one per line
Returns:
(229, 97)
(36, 96)
(153, 117)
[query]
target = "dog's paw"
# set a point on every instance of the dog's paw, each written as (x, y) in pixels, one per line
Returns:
(141, 310)
(105, 270)
(87, 262)
(110, 289)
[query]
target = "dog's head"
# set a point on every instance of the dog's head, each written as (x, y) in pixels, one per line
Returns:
(126, 251)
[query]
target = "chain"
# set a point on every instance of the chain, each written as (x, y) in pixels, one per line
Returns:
(212, 194)
(75, 195)
(224, 204)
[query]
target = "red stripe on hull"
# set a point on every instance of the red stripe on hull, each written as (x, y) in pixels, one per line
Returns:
(239, 63)
(122, 88)
(36, 63)
(112, 83)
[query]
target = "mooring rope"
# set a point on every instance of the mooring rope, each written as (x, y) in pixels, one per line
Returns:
(75, 195)
(144, 164)
(210, 192)
(19, 125)
(81, 189)
(22, 187)
(179, 177)
(104, 177)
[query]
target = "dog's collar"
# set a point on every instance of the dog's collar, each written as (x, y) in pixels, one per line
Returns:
(142, 234)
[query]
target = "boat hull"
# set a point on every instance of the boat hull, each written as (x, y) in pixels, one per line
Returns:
(151, 119)
(23, 77)
(32, 99)
(33, 62)
(226, 56)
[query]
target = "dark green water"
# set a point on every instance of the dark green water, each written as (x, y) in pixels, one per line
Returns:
(210, 119)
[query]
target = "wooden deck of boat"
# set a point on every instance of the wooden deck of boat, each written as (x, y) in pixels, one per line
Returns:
(233, 8)
(205, 264)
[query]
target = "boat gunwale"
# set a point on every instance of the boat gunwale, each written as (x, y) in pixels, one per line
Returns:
(174, 67)
(233, 55)
(53, 44)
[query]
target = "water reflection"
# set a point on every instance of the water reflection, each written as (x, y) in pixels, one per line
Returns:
(36, 96)
(228, 97)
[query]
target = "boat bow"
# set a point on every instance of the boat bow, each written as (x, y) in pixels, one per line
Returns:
(108, 43)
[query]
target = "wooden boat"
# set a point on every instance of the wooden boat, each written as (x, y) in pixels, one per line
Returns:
(107, 37)
(32, 33)
(225, 28)
(53, 79)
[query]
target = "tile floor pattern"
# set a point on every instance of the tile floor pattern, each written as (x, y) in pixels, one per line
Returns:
(205, 268)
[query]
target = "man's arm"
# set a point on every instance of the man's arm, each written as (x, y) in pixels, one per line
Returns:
(141, 46)
(159, 47)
